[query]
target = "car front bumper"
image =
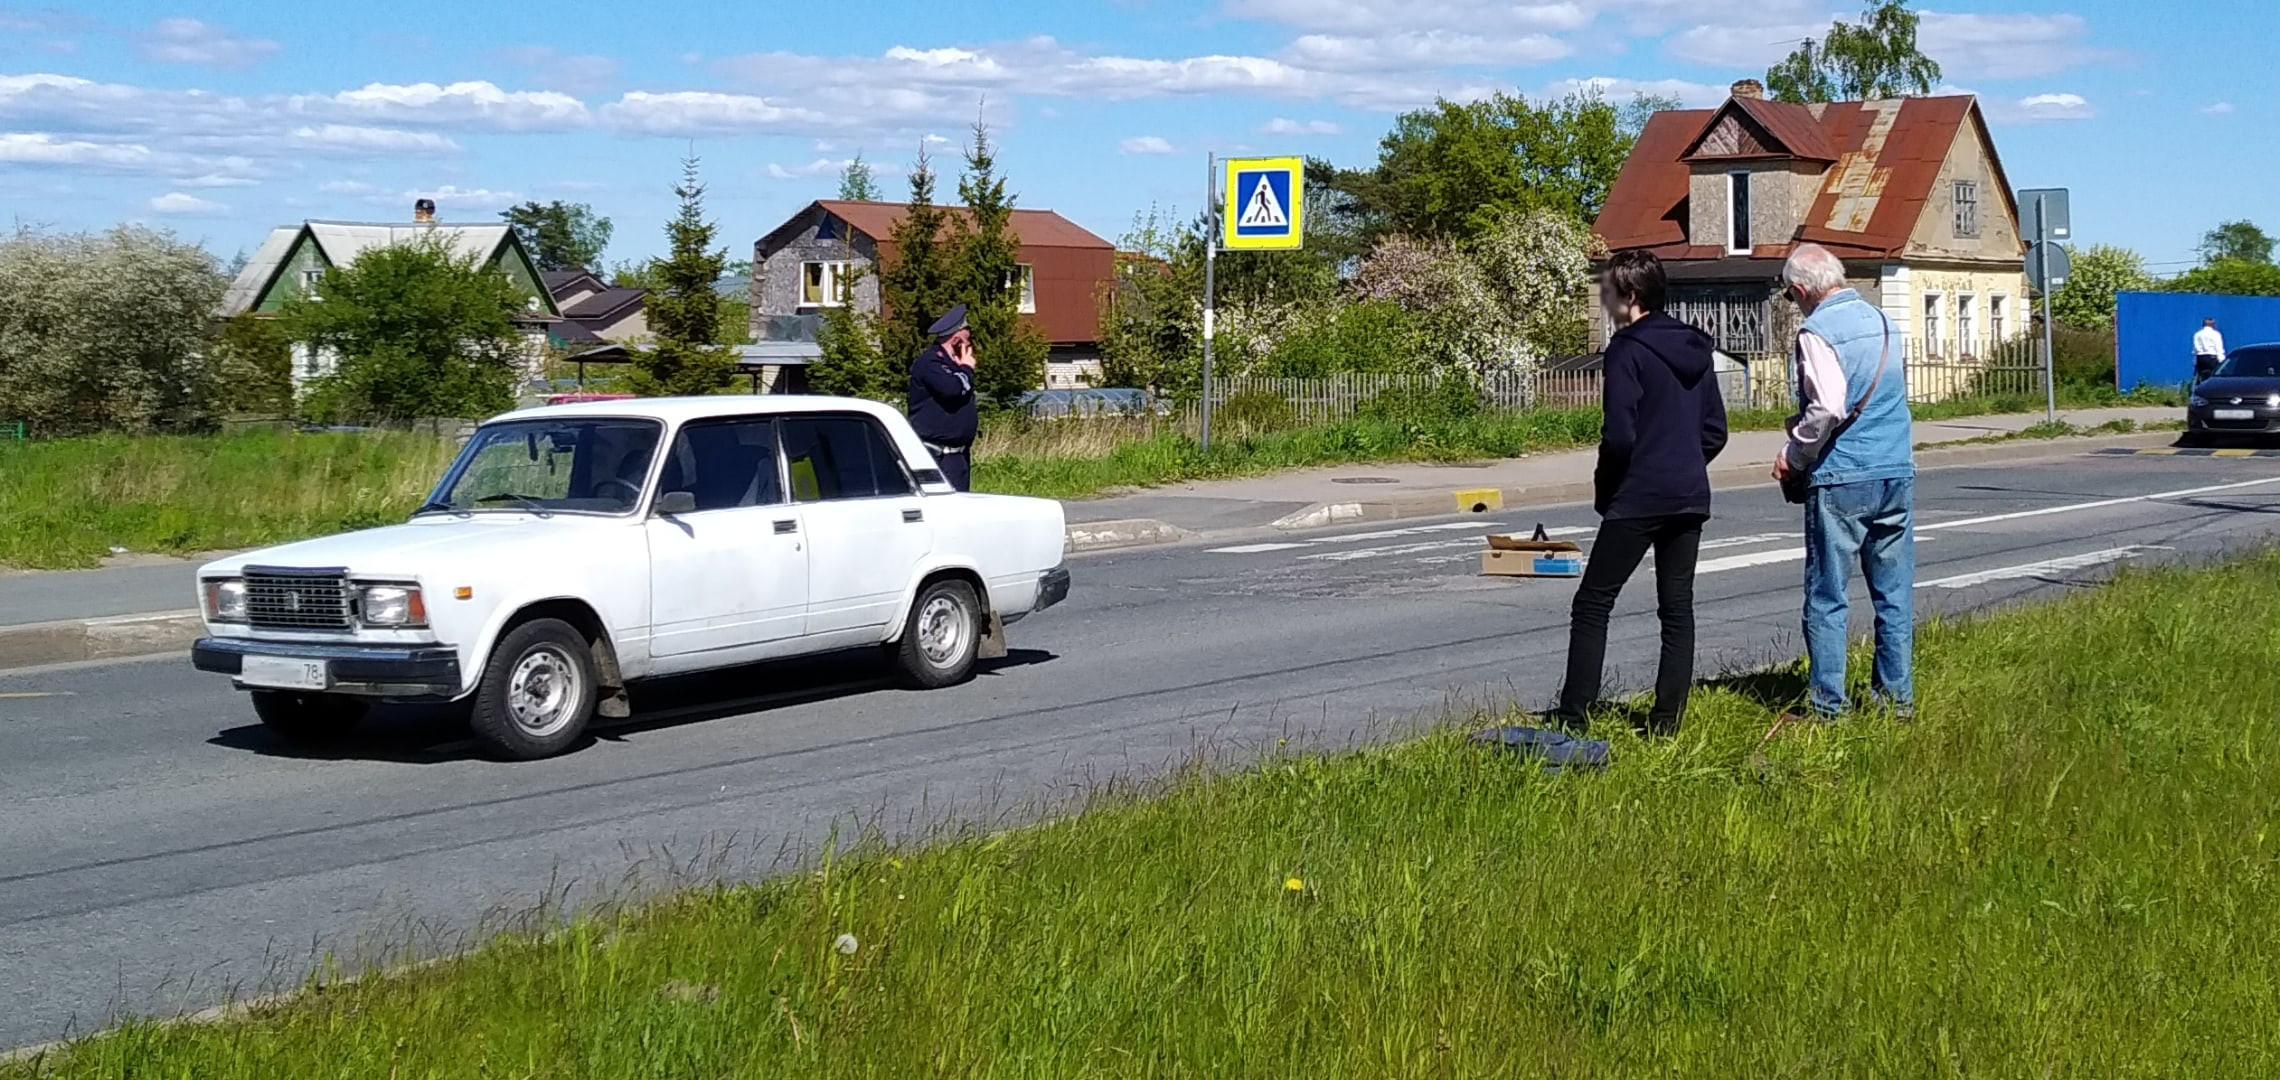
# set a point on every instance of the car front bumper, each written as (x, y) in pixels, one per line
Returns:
(2263, 419)
(406, 672)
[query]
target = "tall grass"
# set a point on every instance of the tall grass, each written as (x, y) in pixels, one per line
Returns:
(2067, 867)
(71, 501)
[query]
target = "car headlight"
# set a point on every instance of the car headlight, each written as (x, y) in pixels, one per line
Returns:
(394, 605)
(2272, 402)
(225, 600)
(2199, 402)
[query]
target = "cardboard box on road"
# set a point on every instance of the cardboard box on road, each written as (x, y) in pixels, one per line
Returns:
(1513, 556)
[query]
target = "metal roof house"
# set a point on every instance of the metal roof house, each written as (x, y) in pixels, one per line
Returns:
(827, 254)
(1909, 192)
(293, 257)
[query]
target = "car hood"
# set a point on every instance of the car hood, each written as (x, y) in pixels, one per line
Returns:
(424, 545)
(2246, 388)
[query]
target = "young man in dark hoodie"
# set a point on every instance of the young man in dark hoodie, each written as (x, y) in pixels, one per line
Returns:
(1664, 422)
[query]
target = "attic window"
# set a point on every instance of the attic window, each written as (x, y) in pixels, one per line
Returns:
(828, 229)
(1738, 217)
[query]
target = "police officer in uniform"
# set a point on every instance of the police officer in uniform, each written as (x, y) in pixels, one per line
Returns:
(942, 397)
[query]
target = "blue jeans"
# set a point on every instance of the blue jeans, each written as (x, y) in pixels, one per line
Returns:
(1871, 524)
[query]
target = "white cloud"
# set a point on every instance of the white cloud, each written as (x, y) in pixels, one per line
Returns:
(1282, 126)
(377, 140)
(176, 202)
(2222, 108)
(191, 41)
(216, 180)
(1371, 16)
(1145, 145)
(1751, 47)
(582, 71)
(40, 148)
(2006, 46)
(2036, 108)
(1422, 50)
(818, 167)
(451, 202)
(472, 104)
(699, 112)
(1616, 91)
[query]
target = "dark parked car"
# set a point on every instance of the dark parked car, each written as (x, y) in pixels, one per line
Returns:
(2241, 399)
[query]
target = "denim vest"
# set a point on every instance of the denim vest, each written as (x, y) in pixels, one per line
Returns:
(1880, 445)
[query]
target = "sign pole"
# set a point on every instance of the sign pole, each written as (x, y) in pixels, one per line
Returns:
(2042, 263)
(1210, 273)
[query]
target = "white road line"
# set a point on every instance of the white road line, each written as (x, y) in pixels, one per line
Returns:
(1747, 541)
(1476, 542)
(1482, 527)
(1744, 562)
(2099, 505)
(2038, 569)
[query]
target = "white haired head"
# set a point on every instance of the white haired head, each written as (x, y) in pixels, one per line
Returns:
(1814, 271)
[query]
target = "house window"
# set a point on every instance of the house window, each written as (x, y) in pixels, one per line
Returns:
(1932, 324)
(1738, 216)
(1966, 209)
(1997, 330)
(309, 279)
(827, 284)
(1024, 276)
(1965, 343)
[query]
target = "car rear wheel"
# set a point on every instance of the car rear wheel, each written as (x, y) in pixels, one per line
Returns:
(941, 636)
(308, 718)
(537, 694)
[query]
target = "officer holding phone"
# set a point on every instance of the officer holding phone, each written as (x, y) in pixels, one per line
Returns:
(942, 397)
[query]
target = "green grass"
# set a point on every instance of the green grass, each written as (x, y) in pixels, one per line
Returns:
(2060, 429)
(2067, 867)
(68, 502)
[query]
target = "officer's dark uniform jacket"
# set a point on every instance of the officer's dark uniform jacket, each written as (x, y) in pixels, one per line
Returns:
(942, 400)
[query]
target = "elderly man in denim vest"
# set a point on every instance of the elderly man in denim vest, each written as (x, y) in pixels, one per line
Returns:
(1851, 445)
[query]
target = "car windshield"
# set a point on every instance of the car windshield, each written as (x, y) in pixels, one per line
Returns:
(595, 466)
(2257, 363)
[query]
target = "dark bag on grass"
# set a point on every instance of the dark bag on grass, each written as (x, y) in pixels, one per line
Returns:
(1558, 750)
(1796, 486)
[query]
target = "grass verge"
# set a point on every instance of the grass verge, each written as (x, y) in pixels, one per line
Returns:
(2060, 429)
(2066, 868)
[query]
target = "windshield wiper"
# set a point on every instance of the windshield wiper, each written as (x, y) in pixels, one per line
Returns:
(433, 505)
(528, 503)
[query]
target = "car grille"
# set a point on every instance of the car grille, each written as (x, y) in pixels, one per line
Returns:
(295, 601)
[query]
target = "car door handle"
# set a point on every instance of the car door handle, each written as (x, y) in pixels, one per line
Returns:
(912, 517)
(787, 525)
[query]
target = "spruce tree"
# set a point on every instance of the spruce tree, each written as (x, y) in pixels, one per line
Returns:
(915, 285)
(684, 311)
(1009, 353)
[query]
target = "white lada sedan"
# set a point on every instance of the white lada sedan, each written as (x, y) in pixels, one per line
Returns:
(573, 550)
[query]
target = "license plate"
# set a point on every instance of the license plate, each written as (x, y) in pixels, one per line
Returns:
(2234, 414)
(282, 674)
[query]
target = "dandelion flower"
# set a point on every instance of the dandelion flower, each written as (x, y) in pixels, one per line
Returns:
(846, 945)
(1294, 885)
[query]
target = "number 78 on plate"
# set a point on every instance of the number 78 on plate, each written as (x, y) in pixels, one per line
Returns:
(1265, 201)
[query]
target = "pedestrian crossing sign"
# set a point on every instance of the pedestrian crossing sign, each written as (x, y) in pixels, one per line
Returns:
(1264, 204)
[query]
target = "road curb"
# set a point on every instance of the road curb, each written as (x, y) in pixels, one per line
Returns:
(72, 640)
(1124, 533)
(1753, 474)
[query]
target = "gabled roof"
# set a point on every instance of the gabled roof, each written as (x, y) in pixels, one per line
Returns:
(605, 303)
(558, 282)
(341, 242)
(1771, 129)
(1883, 159)
(877, 220)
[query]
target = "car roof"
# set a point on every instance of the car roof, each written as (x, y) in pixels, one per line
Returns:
(674, 410)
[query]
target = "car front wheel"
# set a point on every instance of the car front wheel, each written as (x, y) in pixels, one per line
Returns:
(537, 693)
(941, 637)
(307, 718)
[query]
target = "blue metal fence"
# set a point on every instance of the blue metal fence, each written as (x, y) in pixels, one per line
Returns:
(2153, 332)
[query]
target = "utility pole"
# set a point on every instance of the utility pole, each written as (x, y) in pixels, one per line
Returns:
(1210, 279)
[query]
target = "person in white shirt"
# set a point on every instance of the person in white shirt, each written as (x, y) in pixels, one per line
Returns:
(2208, 350)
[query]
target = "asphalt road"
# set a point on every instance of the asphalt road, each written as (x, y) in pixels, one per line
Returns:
(159, 849)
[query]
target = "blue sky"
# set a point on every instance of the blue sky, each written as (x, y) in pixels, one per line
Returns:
(221, 120)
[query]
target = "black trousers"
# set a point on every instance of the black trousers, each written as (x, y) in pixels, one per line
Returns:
(2205, 366)
(957, 468)
(1676, 541)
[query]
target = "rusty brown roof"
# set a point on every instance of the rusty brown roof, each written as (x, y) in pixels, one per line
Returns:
(1884, 158)
(1031, 228)
(1783, 130)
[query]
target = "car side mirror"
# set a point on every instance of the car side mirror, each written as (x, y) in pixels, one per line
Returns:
(676, 502)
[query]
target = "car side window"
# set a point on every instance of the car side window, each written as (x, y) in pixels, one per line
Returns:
(726, 464)
(841, 457)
